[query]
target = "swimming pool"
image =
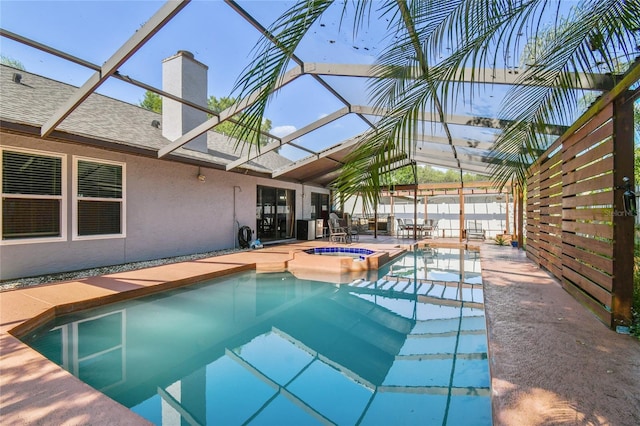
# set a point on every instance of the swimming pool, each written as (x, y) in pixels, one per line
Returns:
(272, 349)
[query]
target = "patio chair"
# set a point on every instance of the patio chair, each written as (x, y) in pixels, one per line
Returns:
(474, 230)
(401, 227)
(337, 233)
(430, 229)
(412, 227)
(352, 231)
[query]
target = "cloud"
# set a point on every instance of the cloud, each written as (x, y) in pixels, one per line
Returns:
(282, 130)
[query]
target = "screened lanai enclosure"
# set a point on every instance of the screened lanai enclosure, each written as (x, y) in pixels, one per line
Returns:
(328, 97)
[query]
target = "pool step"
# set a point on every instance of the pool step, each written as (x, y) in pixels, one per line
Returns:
(403, 286)
(445, 290)
(360, 283)
(388, 285)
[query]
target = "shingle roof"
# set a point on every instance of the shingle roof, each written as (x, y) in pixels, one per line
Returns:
(32, 101)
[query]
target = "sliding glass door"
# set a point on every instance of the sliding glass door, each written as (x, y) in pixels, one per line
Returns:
(275, 213)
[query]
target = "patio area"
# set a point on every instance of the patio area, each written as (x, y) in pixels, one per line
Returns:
(531, 384)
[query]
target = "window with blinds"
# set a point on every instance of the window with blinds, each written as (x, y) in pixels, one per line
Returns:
(32, 195)
(99, 190)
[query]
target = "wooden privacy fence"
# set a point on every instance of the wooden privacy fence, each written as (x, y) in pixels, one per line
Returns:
(576, 225)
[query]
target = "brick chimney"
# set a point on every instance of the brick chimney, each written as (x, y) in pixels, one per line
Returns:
(185, 77)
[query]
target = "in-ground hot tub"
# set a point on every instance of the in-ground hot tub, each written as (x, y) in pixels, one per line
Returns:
(358, 254)
(338, 264)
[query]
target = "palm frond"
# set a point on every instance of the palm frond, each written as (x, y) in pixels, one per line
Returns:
(470, 35)
(392, 141)
(556, 66)
(406, 85)
(404, 89)
(272, 57)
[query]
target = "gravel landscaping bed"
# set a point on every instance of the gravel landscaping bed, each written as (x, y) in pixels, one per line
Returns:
(103, 270)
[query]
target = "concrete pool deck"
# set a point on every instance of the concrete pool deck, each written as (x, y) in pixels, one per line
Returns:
(551, 360)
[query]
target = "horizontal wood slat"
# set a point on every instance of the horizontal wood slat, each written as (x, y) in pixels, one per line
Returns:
(554, 266)
(603, 248)
(596, 213)
(554, 169)
(593, 229)
(598, 277)
(595, 184)
(597, 199)
(589, 287)
(545, 228)
(597, 308)
(551, 192)
(602, 166)
(552, 252)
(603, 263)
(596, 121)
(555, 209)
(570, 212)
(599, 135)
(595, 153)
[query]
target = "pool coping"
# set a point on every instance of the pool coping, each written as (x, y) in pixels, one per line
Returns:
(531, 383)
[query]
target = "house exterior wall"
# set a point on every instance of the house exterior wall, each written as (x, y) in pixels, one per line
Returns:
(169, 212)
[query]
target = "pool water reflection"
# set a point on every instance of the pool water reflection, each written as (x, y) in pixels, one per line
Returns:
(438, 264)
(272, 349)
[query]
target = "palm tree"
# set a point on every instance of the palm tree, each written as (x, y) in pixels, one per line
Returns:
(592, 36)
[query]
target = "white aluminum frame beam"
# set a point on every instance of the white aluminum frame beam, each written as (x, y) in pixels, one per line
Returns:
(441, 155)
(462, 143)
(258, 26)
(131, 46)
(481, 169)
(424, 156)
(290, 137)
(125, 78)
(324, 154)
(601, 82)
(356, 109)
(361, 110)
(462, 120)
(36, 45)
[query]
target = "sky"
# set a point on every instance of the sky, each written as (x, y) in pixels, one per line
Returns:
(211, 30)
(219, 38)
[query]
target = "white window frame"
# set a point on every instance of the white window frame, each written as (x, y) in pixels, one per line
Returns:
(62, 197)
(75, 199)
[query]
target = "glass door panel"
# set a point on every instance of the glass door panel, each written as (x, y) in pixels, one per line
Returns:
(275, 213)
(266, 213)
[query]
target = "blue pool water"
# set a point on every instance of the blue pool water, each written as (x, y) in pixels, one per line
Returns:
(270, 349)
